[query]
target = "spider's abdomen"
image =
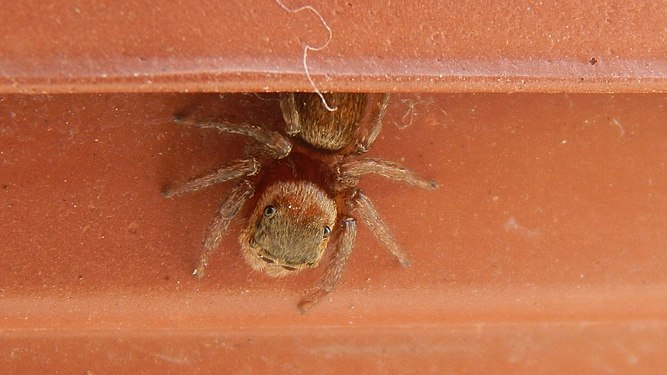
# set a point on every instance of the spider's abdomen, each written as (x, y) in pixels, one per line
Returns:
(330, 130)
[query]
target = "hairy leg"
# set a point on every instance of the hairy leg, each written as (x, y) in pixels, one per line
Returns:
(236, 169)
(290, 113)
(228, 210)
(342, 250)
(278, 145)
(377, 108)
(371, 218)
(350, 171)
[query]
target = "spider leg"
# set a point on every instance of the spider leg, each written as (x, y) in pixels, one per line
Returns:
(231, 206)
(235, 169)
(350, 171)
(342, 250)
(375, 112)
(290, 113)
(274, 141)
(371, 218)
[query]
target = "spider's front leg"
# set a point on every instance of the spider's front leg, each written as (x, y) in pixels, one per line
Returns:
(342, 248)
(228, 210)
(371, 218)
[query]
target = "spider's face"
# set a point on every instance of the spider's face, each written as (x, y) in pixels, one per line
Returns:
(289, 229)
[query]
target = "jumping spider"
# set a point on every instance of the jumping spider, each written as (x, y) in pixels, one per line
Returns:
(309, 184)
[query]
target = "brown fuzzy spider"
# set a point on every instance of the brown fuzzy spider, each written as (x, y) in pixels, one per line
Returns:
(309, 185)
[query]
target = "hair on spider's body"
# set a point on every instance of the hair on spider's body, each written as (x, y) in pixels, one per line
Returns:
(316, 200)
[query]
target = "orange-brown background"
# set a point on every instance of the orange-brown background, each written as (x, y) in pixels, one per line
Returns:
(543, 251)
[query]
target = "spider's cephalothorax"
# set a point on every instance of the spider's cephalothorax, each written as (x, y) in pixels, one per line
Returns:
(297, 214)
(290, 228)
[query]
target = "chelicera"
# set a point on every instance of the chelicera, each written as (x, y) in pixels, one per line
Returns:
(307, 177)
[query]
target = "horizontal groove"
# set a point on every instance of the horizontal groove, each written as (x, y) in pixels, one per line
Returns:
(395, 308)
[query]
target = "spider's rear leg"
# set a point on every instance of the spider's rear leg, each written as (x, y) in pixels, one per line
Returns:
(342, 250)
(236, 169)
(290, 113)
(371, 218)
(228, 210)
(278, 145)
(375, 111)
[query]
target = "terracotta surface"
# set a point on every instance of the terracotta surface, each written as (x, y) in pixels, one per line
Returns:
(543, 252)
(548, 234)
(241, 45)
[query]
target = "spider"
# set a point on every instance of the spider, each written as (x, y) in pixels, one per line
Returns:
(308, 186)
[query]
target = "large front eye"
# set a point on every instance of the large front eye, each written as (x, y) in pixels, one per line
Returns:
(327, 231)
(269, 211)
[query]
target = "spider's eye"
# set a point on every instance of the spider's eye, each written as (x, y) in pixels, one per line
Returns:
(327, 231)
(289, 268)
(269, 211)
